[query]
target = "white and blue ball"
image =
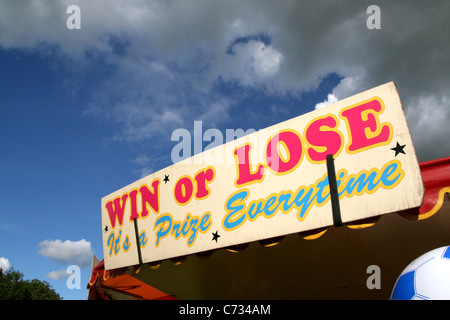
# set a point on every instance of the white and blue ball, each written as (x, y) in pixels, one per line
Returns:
(426, 278)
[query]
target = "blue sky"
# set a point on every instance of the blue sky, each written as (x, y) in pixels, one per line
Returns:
(86, 112)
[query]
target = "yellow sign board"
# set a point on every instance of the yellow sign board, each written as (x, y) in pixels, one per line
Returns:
(270, 183)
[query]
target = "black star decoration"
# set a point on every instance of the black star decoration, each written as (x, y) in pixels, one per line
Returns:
(215, 236)
(166, 178)
(106, 229)
(399, 149)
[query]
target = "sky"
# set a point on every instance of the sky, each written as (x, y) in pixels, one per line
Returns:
(86, 111)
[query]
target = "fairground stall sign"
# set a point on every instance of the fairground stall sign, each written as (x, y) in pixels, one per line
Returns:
(349, 161)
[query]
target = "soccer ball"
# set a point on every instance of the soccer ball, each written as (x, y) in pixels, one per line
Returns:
(426, 278)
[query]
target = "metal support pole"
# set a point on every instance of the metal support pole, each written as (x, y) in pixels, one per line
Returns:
(138, 245)
(333, 191)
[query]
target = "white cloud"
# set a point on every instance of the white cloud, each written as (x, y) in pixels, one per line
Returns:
(4, 264)
(251, 62)
(141, 160)
(346, 88)
(331, 98)
(68, 252)
(59, 274)
(143, 172)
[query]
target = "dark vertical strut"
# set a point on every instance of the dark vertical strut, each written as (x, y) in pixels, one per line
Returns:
(136, 232)
(333, 191)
